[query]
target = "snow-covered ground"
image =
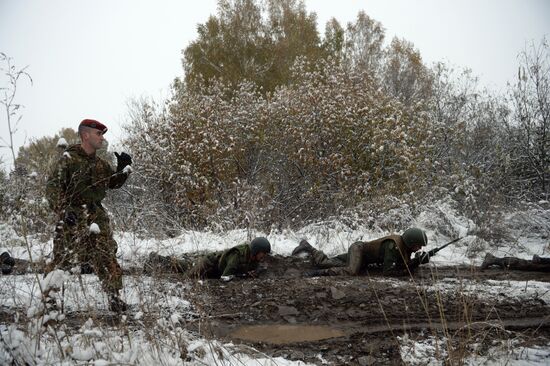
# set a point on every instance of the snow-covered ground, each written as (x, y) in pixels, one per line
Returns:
(166, 342)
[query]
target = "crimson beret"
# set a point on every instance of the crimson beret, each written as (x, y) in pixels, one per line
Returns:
(92, 123)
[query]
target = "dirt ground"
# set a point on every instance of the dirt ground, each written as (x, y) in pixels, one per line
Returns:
(355, 320)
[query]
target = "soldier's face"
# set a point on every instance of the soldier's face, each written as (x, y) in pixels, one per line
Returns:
(416, 247)
(95, 139)
(260, 256)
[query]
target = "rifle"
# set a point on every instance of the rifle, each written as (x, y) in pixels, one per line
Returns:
(423, 257)
(251, 274)
(435, 250)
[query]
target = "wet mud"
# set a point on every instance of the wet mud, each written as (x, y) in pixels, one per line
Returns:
(358, 319)
(285, 333)
(354, 320)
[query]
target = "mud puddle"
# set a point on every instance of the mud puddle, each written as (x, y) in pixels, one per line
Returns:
(280, 334)
(285, 333)
(276, 313)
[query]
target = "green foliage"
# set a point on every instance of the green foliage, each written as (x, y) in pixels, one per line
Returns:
(23, 195)
(404, 74)
(334, 41)
(251, 40)
(41, 153)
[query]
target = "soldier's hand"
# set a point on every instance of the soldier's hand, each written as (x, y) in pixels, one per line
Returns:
(422, 257)
(70, 218)
(123, 160)
(252, 274)
(227, 278)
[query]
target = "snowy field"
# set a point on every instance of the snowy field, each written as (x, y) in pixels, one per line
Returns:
(154, 331)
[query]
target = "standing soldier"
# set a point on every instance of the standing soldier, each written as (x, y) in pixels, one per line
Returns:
(77, 184)
(392, 252)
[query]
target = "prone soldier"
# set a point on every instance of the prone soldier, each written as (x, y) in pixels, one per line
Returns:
(240, 260)
(393, 252)
(538, 264)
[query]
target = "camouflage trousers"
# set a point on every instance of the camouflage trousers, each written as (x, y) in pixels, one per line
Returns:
(206, 267)
(523, 264)
(350, 263)
(191, 266)
(330, 266)
(78, 244)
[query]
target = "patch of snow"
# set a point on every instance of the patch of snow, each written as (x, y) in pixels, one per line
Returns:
(54, 280)
(428, 351)
(531, 223)
(138, 347)
(62, 143)
(82, 354)
(433, 351)
(496, 291)
(513, 355)
(9, 238)
(94, 229)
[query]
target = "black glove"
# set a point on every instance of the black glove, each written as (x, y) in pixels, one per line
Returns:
(70, 218)
(423, 257)
(7, 259)
(123, 160)
(6, 263)
(86, 268)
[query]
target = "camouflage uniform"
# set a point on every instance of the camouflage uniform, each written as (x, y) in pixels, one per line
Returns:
(390, 252)
(231, 262)
(77, 184)
(538, 264)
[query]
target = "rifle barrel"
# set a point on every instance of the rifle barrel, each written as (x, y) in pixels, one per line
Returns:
(435, 250)
(451, 242)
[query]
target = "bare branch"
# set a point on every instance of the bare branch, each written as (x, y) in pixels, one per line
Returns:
(12, 109)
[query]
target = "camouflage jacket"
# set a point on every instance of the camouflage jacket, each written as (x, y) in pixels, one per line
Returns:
(78, 179)
(236, 261)
(395, 256)
(390, 251)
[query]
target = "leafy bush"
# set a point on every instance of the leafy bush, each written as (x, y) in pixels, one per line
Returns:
(327, 141)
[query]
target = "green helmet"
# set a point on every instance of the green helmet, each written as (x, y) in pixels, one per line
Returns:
(414, 236)
(259, 244)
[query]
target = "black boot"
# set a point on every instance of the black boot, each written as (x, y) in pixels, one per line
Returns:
(491, 260)
(6, 263)
(156, 263)
(540, 260)
(116, 304)
(315, 273)
(303, 247)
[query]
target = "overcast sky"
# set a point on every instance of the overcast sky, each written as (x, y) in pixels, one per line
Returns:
(87, 58)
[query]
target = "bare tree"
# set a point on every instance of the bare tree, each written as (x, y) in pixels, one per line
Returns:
(7, 99)
(530, 128)
(364, 41)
